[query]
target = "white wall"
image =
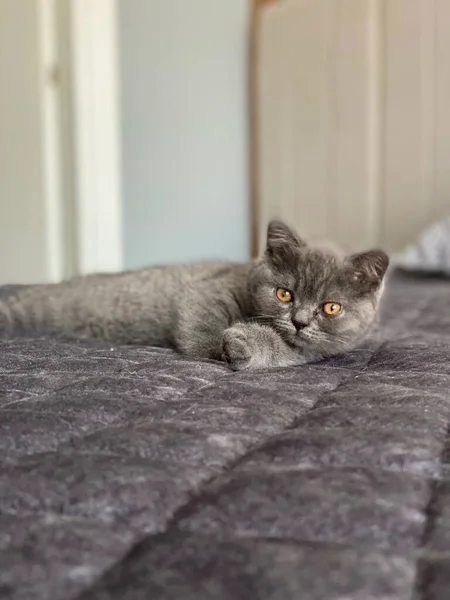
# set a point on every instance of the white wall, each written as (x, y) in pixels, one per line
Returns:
(184, 111)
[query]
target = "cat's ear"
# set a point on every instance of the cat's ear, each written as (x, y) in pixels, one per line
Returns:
(281, 237)
(368, 269)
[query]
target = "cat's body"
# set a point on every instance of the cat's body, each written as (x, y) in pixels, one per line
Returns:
(218, 310)
(151, 306)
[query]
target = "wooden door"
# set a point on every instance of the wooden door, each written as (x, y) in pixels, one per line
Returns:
(30, 227)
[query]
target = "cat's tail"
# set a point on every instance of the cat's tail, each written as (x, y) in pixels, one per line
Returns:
(24, 312)
(6, 320)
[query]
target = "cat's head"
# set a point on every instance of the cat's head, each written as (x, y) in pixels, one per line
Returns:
(316, 300)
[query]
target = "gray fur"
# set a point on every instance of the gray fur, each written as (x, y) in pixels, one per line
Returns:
(217, 311)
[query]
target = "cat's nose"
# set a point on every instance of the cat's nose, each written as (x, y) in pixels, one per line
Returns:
(300, 323)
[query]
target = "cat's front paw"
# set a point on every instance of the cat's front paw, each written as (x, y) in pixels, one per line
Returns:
(237, 350)
(250, 346)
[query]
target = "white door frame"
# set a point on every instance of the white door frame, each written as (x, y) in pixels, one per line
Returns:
(90, 125)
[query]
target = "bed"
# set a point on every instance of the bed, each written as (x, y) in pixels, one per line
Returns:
(133, 473)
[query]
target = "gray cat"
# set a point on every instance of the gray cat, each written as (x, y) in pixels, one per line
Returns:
(294, 305)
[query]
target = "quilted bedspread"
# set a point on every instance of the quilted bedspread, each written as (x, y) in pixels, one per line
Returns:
(136, 474)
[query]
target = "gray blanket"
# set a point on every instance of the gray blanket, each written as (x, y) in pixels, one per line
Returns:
(132, 474)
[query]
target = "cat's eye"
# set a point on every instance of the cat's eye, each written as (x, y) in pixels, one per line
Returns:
(332, 308)
(284, 295)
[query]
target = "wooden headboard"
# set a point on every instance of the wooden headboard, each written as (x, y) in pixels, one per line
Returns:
(350, 120)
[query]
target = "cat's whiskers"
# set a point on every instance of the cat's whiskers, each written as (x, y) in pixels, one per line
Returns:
(263, 319)
(283, 329)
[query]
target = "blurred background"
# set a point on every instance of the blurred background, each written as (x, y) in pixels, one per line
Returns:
(137, 132)
(123, 134)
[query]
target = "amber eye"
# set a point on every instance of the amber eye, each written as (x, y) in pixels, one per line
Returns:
(284, 295)
(331, 308)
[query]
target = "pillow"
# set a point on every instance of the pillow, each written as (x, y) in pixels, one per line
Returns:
(431, 252)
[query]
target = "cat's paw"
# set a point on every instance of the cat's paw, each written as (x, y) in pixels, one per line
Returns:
(250, 346)
(237, 347)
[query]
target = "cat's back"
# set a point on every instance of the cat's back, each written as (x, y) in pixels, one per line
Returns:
(152, 287)
(145, 281)
(189, 274)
